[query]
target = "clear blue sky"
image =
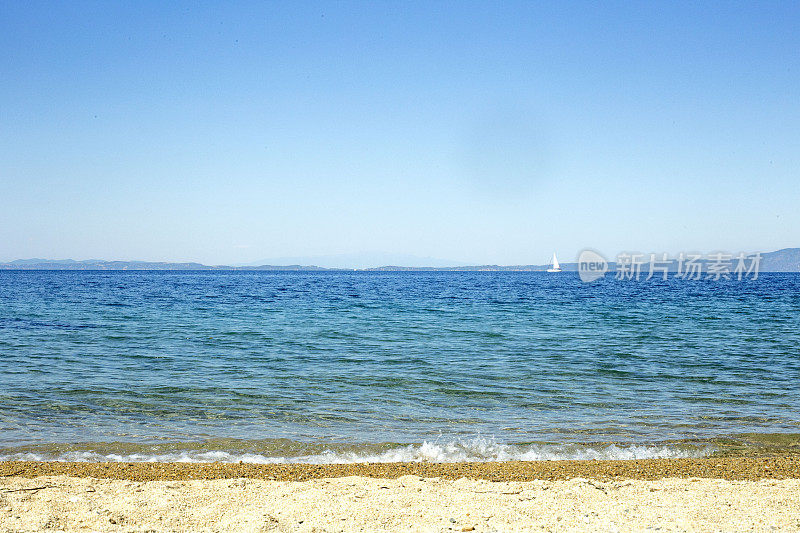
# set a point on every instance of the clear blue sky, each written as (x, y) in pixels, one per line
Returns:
(477, 132)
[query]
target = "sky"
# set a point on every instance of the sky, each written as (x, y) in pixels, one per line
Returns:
(486, 132)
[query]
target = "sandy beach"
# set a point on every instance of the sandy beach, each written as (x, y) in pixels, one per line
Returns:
(674, 495)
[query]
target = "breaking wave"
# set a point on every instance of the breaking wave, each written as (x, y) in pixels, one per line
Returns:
(454, 451)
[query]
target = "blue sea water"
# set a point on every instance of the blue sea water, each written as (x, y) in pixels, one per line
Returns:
(354, 366)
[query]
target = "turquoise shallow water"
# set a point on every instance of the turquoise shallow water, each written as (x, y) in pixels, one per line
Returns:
(334, 366)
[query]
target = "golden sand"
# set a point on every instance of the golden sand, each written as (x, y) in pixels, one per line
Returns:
(709, 494)
(730, 468)
(406, 503)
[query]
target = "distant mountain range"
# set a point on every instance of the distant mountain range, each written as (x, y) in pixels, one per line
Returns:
(361, 260)
(99, 264)
(786, 260)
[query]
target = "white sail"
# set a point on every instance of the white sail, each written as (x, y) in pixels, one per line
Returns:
(556, 267)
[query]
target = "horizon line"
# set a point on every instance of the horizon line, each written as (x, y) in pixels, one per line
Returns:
(54, 264)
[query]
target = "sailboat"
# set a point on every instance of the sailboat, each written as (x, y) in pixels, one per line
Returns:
(556, 267)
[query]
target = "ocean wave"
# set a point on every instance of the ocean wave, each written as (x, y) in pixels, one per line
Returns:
(453, 451)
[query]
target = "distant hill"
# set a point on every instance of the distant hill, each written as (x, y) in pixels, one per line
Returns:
(362, 260)
(786, 260)
(69, 264)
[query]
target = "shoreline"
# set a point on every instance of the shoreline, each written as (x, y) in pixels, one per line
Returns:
(731, 468)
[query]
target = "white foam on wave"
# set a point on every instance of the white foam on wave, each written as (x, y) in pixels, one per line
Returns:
(454, 451)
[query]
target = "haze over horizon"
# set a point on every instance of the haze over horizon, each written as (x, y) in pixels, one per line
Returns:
(474, 133)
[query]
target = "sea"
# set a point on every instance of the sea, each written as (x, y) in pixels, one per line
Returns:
(340, 366)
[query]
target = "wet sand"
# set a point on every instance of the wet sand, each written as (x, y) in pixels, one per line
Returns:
(729, 468)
